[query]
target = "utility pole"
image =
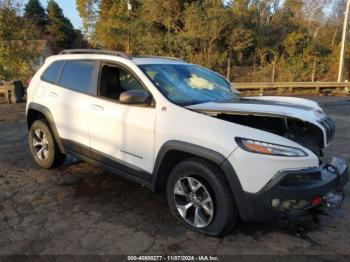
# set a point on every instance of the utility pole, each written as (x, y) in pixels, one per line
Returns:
(228, 74)
(129, 6)
(342, 51)
(273, 71)
(314, 70)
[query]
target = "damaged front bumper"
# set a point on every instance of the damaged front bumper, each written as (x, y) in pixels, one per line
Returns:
(298, 190)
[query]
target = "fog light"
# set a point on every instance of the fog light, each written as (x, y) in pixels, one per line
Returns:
(275, 202)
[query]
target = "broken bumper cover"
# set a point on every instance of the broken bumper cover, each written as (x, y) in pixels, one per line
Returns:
(296, 187)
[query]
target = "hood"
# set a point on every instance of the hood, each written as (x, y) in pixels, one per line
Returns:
(268, 106)
(303, 109)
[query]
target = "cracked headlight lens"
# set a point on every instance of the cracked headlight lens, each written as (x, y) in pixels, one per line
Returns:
(260, 147)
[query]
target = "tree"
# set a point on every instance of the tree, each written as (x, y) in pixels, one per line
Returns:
(294, 10)
(35, 13)
(238, 40)
(163, 22)
(112, 25)
(337, 17)
(15, 34)
(60, 29)
(285, 39)
(88, 11)
(203, 36)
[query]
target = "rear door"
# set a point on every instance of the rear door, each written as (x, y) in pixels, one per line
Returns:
(69, 102)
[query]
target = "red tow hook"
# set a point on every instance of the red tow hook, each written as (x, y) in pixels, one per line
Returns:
(316, 201)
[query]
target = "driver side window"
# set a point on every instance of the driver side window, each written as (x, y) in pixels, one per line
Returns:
(114, 81)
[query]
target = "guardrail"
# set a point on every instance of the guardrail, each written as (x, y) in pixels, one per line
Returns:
(281, 87)
(278, 87)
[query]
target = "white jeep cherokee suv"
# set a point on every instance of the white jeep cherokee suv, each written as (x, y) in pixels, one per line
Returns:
(181, 128)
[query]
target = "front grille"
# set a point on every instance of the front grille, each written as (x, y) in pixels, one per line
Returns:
(329, 126)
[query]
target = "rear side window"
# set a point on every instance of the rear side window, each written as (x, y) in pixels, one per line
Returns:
(51, 73)
(77, 75)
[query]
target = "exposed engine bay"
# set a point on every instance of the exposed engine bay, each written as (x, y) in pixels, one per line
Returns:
(297, 119)
(304, 133)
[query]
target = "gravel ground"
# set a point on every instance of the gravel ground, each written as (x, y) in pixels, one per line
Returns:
(79, 209)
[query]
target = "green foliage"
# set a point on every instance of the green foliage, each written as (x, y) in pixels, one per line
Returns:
(15, 56)
(35, 13)
(205, 26)
(299, 39)
(87, 11)
(21, 32)
(59, 27)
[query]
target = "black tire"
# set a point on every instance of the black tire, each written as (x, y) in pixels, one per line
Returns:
(54, 157)
(225, 214)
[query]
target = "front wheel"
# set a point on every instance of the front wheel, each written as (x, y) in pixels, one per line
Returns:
(199, 197)
(43, 146)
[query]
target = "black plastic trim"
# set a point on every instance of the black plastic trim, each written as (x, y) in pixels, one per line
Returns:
(252, 207)
(187, 148)
(242, 203)
(47, 113)
(74, 147)
(112, 164)
(260, 202)
(246, 211)
(256, 207)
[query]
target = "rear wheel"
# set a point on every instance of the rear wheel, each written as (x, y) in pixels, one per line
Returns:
(198, 196)
(43, 146)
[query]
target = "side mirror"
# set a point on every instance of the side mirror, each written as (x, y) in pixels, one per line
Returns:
(135, 97)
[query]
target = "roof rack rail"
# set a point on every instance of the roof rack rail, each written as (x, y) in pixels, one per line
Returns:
(95, 51)
(155, 56)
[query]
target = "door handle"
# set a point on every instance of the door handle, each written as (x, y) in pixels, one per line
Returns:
(97, 107)
(53, 94)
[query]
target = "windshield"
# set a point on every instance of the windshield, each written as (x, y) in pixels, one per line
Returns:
(188, 84)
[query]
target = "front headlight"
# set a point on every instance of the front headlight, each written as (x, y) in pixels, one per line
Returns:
(268, 148)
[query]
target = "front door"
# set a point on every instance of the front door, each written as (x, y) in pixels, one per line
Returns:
(119, 133)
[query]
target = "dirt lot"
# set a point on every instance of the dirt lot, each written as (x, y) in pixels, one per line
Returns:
(81, 209)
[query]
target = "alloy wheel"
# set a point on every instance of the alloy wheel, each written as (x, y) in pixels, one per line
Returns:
(193, 202)
(40, 144)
